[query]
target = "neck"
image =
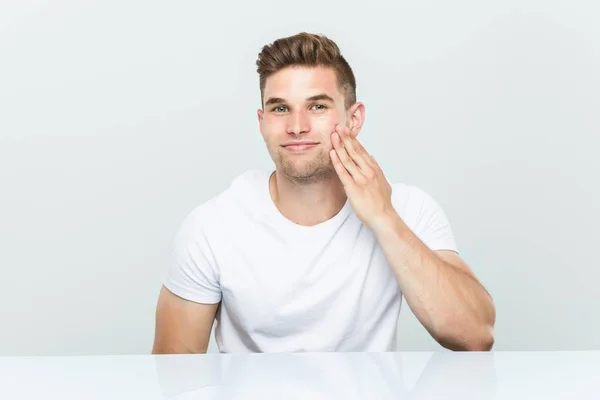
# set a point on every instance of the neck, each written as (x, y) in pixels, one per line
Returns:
(307, 203)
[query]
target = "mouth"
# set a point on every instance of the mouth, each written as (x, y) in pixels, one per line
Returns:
(299, 146)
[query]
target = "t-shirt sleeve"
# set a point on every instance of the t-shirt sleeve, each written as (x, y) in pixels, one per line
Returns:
(430, 222)
(193, 273)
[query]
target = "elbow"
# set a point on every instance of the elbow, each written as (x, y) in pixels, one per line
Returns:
(483, 342)
(479, 339)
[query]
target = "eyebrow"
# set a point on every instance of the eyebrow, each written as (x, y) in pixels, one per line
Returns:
(278, 100)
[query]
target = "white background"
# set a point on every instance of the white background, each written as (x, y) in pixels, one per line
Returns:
(119, 117)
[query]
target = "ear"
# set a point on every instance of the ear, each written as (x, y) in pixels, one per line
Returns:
(356, 118)
(260, 115)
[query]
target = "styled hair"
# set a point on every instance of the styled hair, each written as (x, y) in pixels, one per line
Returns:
(306, 50)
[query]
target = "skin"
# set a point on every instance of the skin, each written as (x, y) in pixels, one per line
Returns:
(305, 186)
(306, 104)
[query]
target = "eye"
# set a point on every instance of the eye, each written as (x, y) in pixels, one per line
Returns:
(279, 109)
(320, 106)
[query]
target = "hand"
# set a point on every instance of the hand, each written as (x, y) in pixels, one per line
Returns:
(368, 191)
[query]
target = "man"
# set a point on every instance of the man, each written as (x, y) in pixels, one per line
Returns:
(317, 254)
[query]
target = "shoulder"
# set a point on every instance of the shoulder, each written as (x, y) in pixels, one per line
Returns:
(424, 215)
(415, 205)
(410, 198)
(221, 207)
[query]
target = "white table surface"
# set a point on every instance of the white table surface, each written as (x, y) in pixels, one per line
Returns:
(377, 376)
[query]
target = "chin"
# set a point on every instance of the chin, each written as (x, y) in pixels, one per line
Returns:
(306, 173)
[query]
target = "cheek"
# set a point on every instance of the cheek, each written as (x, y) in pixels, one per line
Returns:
(271, 130)
(325, 125)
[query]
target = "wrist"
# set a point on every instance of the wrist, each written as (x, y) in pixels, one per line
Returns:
(386, 223)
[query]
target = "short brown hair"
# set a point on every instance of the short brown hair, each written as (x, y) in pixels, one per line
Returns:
(306, 49)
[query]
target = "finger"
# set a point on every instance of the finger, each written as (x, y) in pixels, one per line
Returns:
(360, 150)
(344, 157)
(368, 158)
(355, 150)
(341, 171)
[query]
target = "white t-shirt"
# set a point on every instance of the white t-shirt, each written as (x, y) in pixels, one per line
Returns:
(285, 287)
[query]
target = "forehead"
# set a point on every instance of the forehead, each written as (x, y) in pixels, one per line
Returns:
(301, 82)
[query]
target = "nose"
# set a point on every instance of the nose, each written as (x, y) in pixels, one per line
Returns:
(298, 123)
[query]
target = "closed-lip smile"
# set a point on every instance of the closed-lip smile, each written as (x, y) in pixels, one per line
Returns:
(303, 143)
(299, 146)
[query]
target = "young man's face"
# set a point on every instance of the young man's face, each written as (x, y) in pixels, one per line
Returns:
(302, 105)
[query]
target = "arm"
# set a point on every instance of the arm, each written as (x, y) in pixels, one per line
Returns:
(182, 326)
(439, 287)
(191, 293)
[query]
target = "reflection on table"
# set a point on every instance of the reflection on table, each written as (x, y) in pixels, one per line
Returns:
(327, 376)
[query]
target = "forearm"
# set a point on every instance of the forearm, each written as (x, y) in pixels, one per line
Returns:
(452, 305)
